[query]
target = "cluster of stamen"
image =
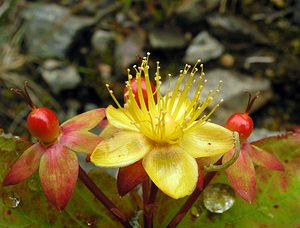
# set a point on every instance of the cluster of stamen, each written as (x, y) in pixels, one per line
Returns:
(165, 118)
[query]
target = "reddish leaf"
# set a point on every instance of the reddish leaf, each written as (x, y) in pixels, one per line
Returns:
(58, 174)
(130, 176)
(84, 121)
(80, 141)
(241, 175)
(25, 166)
(264, 159)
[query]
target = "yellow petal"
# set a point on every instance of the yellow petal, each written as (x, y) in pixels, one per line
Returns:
(121, 149)
(119, 118)
(108, 131)
(172, 170)
(207, 140)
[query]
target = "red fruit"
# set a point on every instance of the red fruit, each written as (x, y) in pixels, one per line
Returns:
(242, 122)
(43, 124)
(134, 86)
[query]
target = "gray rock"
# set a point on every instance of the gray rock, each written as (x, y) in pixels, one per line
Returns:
(232, 25)
(101, 40)
(204, 47)
(128, 48)
(296, 13)
(233, 90)
(51, 29)
(166, 38)
(192, 11)
(59, 76)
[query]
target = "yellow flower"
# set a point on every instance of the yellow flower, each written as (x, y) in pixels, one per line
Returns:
(165, 132)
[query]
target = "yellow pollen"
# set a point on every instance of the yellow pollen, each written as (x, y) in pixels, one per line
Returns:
(164, 119)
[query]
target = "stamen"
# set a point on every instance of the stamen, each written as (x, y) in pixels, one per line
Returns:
(111, 92)
(158, 83)
(206, 103)
(168, 93)
(177, 86)
(212, 111)
(140, 94)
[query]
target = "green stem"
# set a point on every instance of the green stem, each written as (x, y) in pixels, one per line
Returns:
(90, 184)
(214, 167)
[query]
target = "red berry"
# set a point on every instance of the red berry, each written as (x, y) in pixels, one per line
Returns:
(134, 86)
(43, 124)
(242, 122)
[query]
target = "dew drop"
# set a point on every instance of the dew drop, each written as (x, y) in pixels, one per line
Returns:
(11, 199)
(218, 198)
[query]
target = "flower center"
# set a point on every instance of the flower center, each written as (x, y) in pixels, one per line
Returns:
(166, 118)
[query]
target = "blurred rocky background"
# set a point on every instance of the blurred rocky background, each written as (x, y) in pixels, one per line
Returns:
(69, 49)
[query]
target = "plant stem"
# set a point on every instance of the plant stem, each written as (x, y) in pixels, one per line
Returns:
(153, 193)
(149, 201)
(192, 198)
(90, 184)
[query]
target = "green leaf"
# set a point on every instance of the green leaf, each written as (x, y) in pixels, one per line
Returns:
(277, 195)
(34, 210)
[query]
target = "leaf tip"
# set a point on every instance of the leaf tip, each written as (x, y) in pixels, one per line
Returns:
(6, 182)
(9, 179)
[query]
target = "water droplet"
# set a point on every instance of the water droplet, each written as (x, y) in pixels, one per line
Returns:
(218, 198)
(33, 184)
(196, 211)
(11, 199)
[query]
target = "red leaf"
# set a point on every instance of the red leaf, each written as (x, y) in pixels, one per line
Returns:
(58, 174)
(264, 159)
(84, 121)
(130, 176)
(80, 141)
(241, 175)
(25, 166)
